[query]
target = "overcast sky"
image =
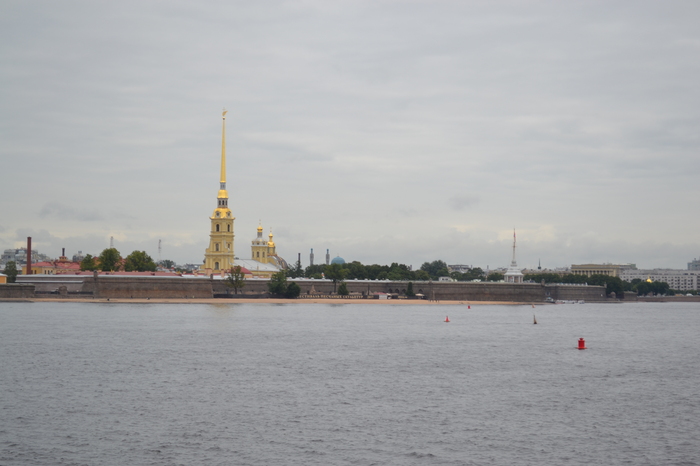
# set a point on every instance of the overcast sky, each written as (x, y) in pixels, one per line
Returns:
(385, 131)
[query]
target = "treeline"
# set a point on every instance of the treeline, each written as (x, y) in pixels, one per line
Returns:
(357, 271)
(110, 260)
(612, 284)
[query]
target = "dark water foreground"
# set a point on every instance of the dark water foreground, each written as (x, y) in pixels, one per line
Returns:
(257, 384)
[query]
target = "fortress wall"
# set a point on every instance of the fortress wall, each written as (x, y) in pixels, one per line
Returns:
(151, 287)
(181, 287)
(576, 293)
(457, 291)
(16, 290)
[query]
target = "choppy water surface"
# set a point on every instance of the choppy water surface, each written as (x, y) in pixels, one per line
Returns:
(257, 384)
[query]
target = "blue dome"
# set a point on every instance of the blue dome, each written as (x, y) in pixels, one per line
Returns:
(338, 260)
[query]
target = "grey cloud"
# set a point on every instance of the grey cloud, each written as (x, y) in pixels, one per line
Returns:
(460, 203)
(59, 211)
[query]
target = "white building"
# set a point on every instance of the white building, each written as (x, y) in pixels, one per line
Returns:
(682, 280)
(513, 274)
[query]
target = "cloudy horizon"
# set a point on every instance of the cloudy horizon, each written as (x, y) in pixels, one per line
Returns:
(384, 131)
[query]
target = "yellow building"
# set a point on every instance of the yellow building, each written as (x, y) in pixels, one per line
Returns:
(3, 279)
(219, 255)
(261, 250)
(264, 252)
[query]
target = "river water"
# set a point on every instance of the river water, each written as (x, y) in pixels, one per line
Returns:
(355, 384)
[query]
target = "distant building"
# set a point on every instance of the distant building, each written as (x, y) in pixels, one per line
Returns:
(19, 257)
(614, 270)
(694, 264)
(62, 266)
(461, 268)
(682, 280)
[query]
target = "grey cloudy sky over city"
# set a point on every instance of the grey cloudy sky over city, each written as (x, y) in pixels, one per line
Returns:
(385, 131)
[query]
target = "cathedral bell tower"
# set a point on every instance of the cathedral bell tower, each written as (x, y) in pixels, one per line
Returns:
(219, 255)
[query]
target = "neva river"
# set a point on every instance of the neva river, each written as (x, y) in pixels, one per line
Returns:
(356, 384)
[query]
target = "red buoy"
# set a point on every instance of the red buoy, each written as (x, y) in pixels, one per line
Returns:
(469, 306)
(447, 319)
(581, 343)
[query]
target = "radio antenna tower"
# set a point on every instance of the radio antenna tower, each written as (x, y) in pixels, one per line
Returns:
(159, 260)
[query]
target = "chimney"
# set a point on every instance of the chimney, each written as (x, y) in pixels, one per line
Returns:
(29, 255)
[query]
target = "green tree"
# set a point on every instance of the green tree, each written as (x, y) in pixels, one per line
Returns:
(314, 271)
(235, 279)
(612, 284)
(335, 273)
(422, 275)
(297, 271)
(167, 264)
(660, 288)
(409, 290)
(11, 271)
(495, 277)
(356, 270)
(88, 263)
(574, 278)
(139, 261)
(435, 268)
(110, 260)
(278, 283)
(343, 289)
(292, 291)
(642, 288)
(547, 277)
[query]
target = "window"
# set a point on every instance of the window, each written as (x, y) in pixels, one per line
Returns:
(217, 227)
(216, 246)
(216, 266)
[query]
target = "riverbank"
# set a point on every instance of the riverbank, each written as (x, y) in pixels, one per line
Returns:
(268, 301)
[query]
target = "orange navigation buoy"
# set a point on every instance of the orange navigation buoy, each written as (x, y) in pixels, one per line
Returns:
(447, 319)
(581, 343)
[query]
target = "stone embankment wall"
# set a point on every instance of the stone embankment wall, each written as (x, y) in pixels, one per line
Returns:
(575, 293)
(150, 287)
(119, 286)
(669, 299)
(16, 291)
(454, 291)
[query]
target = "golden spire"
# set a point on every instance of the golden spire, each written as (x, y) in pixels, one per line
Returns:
(223, 150)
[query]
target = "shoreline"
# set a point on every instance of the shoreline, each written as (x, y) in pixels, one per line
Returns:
(264, 301)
